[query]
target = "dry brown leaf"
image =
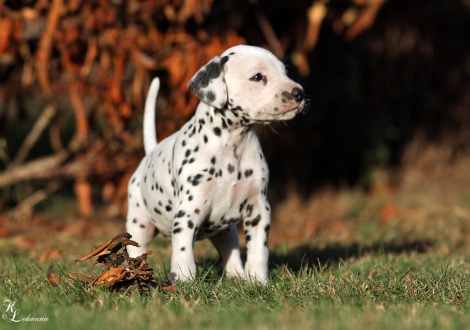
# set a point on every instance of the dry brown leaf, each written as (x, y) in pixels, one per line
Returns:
(109, 276)
(95, 252)
(169, 288)
(54, 279)
(136, 271)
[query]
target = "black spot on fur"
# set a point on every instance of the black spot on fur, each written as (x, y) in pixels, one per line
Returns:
(217, 131)
(180, 214)
(239, 176)
(210, 96)
(196, 179)
(197, 211)
(248, 172)
(157, 211)
(202, 79)
(256, 220)
(248, 238)
(224, 59)
(177, 230)
(230, 168)
(205, 139)
(224, 124)
(188, 152)
(142, 226)
(190, 224)
(213, 159)
(220, 112)
(266, 229)
(242, 205)
(134, 220)
(183, 248)
(249, 210)
(168, 208)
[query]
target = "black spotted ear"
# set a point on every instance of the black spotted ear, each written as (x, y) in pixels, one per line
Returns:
(209, 83)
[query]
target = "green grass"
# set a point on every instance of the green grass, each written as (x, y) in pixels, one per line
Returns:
(372, 288)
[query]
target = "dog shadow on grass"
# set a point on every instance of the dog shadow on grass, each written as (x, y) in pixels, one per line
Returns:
(309, 256)
(331, 255)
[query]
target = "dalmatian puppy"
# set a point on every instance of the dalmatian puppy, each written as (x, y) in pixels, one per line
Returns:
(211, 174)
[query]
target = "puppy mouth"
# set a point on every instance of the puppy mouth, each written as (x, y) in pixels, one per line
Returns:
(280, 115)
(299, 107)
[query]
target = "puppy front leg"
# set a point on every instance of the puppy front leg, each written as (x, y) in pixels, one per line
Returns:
(141, 228)
(256, 235)
(183, 266)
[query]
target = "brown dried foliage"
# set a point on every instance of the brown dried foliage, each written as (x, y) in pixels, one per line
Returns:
(103, 55)
(136, 272)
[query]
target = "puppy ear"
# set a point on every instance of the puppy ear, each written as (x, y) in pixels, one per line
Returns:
(209, 83)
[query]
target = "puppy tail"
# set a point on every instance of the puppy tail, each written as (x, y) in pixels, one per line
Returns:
(150, 132)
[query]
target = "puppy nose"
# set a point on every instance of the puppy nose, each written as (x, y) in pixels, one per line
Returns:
(298, 94)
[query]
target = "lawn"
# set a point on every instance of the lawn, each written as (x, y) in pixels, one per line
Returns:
(346, 259)
(371, 288)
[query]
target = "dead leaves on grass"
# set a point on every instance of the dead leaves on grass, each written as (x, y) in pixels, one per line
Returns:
(135, 273)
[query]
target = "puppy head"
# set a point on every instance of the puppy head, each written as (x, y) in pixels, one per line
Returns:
(251, 79)
(257, 82)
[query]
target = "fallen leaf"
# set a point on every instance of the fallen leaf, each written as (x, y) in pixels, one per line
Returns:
(109, 276)
(95, 252)
(54, 279)
(169, 288)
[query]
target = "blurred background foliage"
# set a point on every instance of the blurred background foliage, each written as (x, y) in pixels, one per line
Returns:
(385, 81)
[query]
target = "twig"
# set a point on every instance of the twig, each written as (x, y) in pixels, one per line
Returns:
(34, 135)
(45, 45)
(270, 35)
(81, 120)
(35, 169)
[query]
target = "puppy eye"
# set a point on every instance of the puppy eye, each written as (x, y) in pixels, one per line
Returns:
(257, 77)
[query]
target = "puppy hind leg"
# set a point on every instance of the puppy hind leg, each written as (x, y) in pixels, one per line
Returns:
(227, 245)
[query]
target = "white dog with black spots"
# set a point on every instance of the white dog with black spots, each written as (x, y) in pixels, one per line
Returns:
(211, 174)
